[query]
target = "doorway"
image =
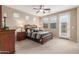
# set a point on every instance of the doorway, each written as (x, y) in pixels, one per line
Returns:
(64, 25)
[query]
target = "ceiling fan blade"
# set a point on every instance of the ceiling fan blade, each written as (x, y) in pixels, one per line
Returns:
(47, 9)
(44, 12)
(37, 11)
(40, 6)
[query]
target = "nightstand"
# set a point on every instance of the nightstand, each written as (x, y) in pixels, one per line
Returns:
(21, 36)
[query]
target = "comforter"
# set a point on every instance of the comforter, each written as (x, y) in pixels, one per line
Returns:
(39, 35)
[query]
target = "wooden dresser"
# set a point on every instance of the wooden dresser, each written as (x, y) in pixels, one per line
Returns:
(7, 42)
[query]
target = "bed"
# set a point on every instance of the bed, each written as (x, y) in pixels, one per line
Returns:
(39, 36)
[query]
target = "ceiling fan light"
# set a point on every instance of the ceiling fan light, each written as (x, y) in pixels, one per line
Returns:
(41, 10)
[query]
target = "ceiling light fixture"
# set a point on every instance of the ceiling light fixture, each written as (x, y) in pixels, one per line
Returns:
(42, 9)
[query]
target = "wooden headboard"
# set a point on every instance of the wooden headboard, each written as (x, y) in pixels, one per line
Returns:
(26, 27)
(30, 26)
(33, 26)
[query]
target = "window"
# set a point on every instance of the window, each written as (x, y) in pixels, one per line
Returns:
(53, 21)
(45, 22)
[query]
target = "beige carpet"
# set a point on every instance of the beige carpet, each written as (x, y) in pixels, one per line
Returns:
(54, 46)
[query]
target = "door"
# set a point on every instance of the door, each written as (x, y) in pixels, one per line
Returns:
(64, 25)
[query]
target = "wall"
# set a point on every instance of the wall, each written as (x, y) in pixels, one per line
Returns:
(73, 24)
(15, 22)
(78, 25)
(0, 16)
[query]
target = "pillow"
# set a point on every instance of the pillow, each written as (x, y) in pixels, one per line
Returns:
(28, 30)
(36, 29)
(32, 30)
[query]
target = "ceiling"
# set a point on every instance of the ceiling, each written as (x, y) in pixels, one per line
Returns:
(54, 8)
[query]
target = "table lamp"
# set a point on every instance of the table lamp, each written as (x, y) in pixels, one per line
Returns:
(21, 26)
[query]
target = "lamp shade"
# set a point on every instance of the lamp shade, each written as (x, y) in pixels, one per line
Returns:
(5, 15)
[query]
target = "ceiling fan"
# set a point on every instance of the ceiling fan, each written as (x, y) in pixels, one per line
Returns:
(42, 9)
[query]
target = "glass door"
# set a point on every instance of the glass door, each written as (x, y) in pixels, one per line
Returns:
(64, 25)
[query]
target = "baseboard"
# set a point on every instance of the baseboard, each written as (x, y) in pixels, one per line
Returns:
(64, 38)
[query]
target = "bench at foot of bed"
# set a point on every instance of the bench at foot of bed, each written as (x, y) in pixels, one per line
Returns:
(44, 40)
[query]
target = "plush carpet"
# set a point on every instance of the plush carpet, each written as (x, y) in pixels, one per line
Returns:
(54, 46)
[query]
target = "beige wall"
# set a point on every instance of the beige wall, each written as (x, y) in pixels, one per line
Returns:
(13, 22)
(73, 24)
(78, 24)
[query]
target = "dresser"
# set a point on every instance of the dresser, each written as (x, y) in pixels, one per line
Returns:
(7, 41)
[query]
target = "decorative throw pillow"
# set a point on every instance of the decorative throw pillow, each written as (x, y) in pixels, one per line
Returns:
(28, 31)
(36, 29)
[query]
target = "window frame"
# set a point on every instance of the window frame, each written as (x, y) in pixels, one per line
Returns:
(47, 23)
(55, 22)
